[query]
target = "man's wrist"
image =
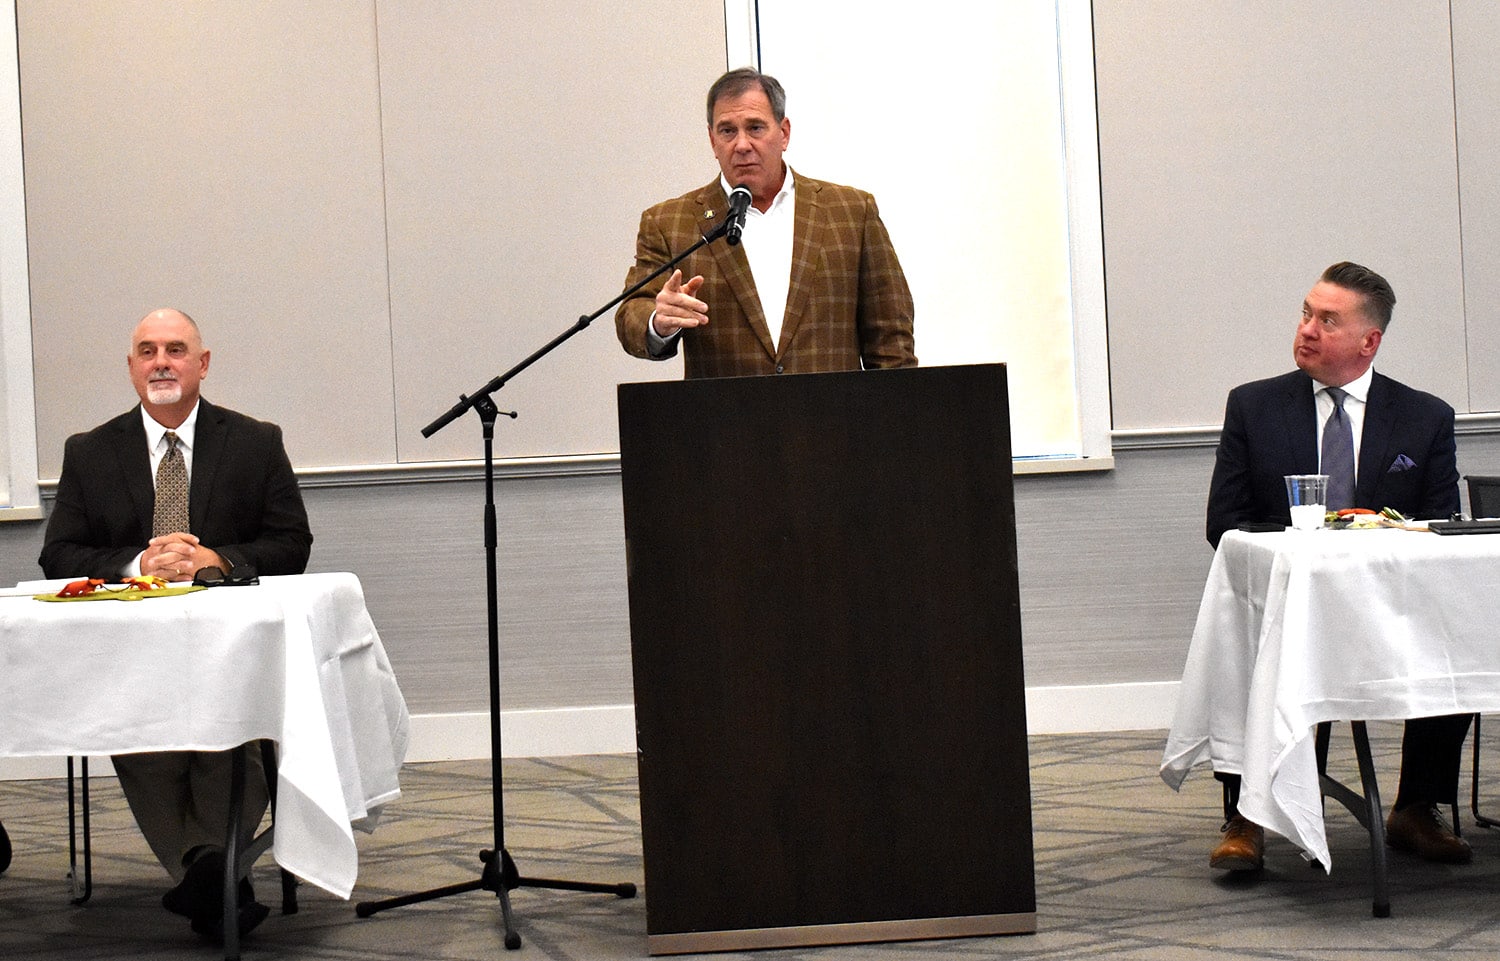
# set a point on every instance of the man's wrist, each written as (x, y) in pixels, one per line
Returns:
(656, 344)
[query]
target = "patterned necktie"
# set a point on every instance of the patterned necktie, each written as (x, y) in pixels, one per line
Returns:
(1338, 453)
(171, 491)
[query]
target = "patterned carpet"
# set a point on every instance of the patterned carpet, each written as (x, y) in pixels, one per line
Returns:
(1121, 873)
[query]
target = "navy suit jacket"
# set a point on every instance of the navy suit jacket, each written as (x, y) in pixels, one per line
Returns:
(243, 500)
(1407, 458)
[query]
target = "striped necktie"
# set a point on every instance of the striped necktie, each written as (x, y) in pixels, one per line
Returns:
(171, 491)
(1338, 453)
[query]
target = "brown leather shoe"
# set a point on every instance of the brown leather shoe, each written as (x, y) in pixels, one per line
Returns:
(1242, 849)
(1420, 829)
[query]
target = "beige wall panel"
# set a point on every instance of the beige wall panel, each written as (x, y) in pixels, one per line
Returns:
(1476, 36)
(522, 143)
(221, 157)
(1246, 146)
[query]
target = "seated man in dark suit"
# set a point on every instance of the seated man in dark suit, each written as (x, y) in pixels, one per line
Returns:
(171, 487)
(1403, 456)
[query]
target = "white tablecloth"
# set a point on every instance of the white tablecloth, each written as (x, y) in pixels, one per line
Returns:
(1301, 627)
(295, 659)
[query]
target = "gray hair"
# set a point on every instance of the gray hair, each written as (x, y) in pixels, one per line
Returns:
(738, 81)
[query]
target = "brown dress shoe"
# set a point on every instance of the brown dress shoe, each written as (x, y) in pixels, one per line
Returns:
(1242, 849)
(1420, 829)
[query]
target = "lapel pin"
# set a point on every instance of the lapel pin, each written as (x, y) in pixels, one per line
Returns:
(708, 215)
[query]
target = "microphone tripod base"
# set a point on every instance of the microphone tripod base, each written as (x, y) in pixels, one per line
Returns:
(501, 876)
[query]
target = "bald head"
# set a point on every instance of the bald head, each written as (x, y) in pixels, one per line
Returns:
(169, 314)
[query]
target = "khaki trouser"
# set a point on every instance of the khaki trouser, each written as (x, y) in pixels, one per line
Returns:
(180, 799)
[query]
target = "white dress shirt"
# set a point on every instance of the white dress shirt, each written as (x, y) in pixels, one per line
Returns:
(156, 440)
(767, 240)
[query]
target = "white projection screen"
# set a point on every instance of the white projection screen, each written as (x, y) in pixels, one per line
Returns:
(955, 115)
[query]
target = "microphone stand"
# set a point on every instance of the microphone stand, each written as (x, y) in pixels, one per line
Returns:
(500, 873)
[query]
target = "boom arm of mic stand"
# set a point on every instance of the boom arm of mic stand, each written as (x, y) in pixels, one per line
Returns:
(466, 401)
(500, 874)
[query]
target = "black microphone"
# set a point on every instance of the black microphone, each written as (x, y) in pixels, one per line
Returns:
(739, 202)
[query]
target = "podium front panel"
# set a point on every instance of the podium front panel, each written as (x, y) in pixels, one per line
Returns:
(826, 648)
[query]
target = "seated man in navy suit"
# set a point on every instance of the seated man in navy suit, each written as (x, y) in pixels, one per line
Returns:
(1404, 457)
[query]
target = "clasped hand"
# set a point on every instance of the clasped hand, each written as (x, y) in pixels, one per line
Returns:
(177, 557)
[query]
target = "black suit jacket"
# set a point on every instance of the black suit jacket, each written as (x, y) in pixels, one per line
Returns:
(1407, 458)
(243, 502)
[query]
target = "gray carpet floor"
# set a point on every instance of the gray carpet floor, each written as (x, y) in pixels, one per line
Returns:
(1121, 872)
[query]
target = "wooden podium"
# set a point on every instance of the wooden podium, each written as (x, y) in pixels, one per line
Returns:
(826, 644)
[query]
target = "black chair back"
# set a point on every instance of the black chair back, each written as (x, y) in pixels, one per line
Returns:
(1484, 496)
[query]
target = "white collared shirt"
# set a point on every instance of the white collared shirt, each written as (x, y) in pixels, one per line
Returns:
(767, 240)
(156, 439)
(1358, 390)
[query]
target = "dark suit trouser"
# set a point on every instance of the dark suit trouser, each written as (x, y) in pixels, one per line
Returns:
(181, 799)
(1431, 756)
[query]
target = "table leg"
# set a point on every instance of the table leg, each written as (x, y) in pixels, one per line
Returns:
(1382, 906)
(232, 857)
(1480, 819)
(83, 890)
(1365, 808)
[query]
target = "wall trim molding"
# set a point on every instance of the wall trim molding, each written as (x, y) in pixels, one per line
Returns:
(577, 465)
(1097, 708)
(610, 729)
(605, 464)
(1161, 438)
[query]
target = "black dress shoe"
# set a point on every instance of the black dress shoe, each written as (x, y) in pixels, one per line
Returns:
(4, 849)
(200, 893)
(250, 913)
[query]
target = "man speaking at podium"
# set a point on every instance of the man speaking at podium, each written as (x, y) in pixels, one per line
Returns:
(813, 285)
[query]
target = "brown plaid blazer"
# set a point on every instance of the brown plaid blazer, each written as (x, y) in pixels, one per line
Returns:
(848, 304)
